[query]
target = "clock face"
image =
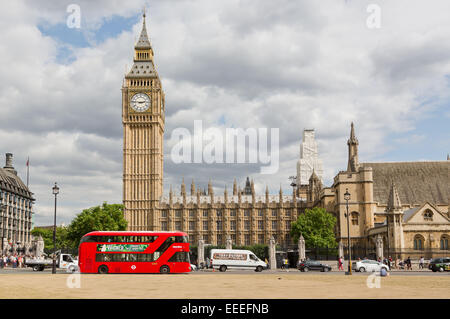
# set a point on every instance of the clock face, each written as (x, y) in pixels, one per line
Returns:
(140, 102)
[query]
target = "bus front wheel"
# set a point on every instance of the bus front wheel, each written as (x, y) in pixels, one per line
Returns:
(164, 269)
(223, 268)
(103, 269)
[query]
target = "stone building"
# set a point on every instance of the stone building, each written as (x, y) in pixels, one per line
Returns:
(405, 204)
(244, 216)
(16, 211)
(308, 163)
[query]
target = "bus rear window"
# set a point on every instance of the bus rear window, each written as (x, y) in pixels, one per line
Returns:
(180, 256)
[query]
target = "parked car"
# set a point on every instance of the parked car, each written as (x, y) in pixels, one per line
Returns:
(370, 265)
(440, 264)
(308, 265)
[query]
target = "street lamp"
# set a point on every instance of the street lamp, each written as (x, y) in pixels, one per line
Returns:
(55, 192)
(347, 198)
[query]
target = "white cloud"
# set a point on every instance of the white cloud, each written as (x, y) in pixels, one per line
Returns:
(291, 65)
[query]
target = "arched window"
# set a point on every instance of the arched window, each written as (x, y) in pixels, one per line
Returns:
(428, 215)
(355, 218)
(444, 242)
(419, 242)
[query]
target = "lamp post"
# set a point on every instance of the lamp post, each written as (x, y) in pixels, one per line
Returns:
(347, 198)
(55, 192)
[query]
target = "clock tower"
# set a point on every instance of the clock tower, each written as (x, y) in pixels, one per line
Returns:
(143, 131)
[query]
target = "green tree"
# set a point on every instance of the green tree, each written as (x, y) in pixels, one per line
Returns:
(105, 217)
(317, 227)
(62, 240)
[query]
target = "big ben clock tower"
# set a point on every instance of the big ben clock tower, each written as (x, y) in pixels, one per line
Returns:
(143, 130)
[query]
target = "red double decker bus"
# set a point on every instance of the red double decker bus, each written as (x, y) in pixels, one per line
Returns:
(134, 252)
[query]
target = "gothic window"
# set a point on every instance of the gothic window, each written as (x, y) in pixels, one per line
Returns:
(178, 213)
(419, 242)
(205, 213)
(288, 213)
(233, 238)
(444, 242)
(233, 225)
(260, 239)
(164, 226)
(164, 213)
(260, 224)
(219, 213)
(428, 215)
(192, 225)
(178, 225)
(274, 213)
(247, 212)
(288, 225)
(260, 213)
(247, 239)
(191, 213)
(274, 224)
(355, 218)
(247, 225)
(233, 212)
(219, 239)
(205, 225)
(219, 225)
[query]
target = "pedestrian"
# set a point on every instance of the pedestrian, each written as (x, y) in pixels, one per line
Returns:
(408, 263)
(341, 263)
(421, 261)
(1, 261)
(390, 262)
(286, 264)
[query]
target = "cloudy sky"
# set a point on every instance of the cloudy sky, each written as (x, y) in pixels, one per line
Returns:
(237, 63)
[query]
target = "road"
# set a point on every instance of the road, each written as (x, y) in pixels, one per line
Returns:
(292, 272)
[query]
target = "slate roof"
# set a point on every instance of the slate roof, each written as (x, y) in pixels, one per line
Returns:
(12, 183)
(143, 42)
(142, 69)
(416, 182)
(408, 213)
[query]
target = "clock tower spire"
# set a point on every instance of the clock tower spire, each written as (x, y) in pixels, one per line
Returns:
(143, 131)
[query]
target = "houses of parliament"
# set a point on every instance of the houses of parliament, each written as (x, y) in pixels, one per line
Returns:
(406, 204)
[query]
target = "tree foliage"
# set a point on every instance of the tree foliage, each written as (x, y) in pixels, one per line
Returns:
(317, 227)
(62, 240)
(101, 218)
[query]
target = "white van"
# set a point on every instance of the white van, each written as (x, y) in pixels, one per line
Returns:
(224, 259)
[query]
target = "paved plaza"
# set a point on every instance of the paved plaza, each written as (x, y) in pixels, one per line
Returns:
(24, 283)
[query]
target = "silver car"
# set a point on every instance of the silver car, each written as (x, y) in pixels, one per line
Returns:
(370, 265)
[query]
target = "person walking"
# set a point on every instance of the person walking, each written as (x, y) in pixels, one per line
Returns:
(421, 261)
(286, 264)
(341, 263)
(408, 263)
